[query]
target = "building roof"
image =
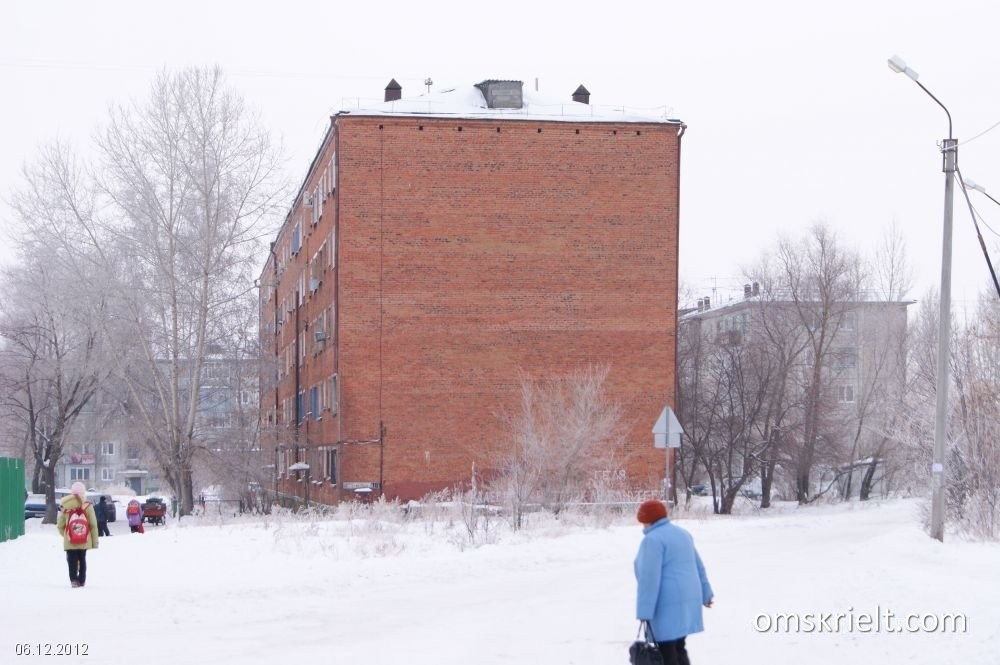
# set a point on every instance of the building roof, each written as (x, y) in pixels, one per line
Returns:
(693, 314)
(468, 102)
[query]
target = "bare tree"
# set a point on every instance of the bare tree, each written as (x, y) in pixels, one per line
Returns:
(893, 275)
(190, 179)
(53, 359)
(974, 456)
(821, 278)
(559, 441)
(780, 337)
(186, 191)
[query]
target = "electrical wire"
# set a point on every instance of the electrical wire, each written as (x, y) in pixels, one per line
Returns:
(983, 222)
(985, 131)
(979, 234)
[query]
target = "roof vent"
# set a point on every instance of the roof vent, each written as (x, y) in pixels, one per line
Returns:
(393, 91)
(581, 95)
(502, 94)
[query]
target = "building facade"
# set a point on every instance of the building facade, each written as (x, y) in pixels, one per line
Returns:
(858, 388)
(443, 246)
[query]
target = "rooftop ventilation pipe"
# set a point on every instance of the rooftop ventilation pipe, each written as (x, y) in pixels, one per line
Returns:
(393, 91)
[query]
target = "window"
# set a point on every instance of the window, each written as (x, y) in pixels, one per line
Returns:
(300, 403)
(849, 321)
(330, 465)
(314, 406)
(332, 252)
(107, 475)
(844, 358)
(108, 449)
(845, 394)
(133, 452)
(317, 267)
(297, 238)
(79, 473)
(320, 333)
(317, 204)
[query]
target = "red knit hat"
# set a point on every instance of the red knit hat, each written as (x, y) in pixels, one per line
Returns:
(651, 511)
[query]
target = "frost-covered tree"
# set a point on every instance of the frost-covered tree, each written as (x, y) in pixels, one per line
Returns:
(191, 181)
(558, 441)
(53, 355)
(168, 224)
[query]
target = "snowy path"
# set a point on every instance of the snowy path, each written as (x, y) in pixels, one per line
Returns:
(385, 593)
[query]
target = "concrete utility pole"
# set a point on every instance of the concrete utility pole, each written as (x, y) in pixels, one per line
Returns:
(949, 150)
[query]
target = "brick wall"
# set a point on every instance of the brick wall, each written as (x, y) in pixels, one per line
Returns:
(467, 254)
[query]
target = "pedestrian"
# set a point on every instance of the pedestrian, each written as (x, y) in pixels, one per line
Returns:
(134, 514)
(77, 524)
(101, 510)
(672, 584)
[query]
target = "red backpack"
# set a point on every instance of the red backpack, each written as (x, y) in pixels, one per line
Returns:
(77, 525)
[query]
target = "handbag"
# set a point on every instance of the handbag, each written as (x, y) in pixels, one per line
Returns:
(644, 651)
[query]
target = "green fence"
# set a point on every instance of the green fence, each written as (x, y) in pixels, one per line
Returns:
(11, 498)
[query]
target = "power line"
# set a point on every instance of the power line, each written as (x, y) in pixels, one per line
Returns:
(985, 131)
(979, 234)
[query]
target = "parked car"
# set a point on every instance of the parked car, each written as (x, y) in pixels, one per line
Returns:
(94, 497)
(700, 489)
(34, 506)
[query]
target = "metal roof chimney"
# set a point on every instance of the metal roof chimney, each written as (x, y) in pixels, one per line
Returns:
(502, 94)
(581, 95)
(393, 91)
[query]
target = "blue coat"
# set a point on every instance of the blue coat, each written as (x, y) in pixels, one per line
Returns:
(672, 585)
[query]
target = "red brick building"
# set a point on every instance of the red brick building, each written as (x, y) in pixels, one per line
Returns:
(441, 244)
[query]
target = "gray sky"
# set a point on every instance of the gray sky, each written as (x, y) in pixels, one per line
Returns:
(793, 114)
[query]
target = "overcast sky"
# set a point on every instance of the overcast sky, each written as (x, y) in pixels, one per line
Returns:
(793, 115)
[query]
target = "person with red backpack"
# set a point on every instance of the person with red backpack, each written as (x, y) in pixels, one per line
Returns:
(77, 525)
(134, 514)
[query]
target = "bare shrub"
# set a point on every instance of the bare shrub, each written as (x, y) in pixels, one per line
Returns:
(560, 438)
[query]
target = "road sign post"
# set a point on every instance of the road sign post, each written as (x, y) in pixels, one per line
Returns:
(667, 434)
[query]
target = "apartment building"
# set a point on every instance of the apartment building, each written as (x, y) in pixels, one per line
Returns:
(441, 246)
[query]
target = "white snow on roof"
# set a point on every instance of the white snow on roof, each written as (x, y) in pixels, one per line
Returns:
(468, 102)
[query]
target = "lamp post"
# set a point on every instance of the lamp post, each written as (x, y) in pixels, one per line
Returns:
(949, 150)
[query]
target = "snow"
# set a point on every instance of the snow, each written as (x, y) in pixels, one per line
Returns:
(468, 102)
(373, 587)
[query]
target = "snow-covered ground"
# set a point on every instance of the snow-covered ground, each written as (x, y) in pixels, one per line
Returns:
(381, 591)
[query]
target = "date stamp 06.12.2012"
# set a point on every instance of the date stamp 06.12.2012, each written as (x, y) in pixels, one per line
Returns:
(51, 649)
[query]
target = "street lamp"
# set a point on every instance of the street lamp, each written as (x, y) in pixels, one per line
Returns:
(949, 151)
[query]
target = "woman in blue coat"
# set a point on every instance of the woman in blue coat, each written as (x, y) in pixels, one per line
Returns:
(672, 585)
